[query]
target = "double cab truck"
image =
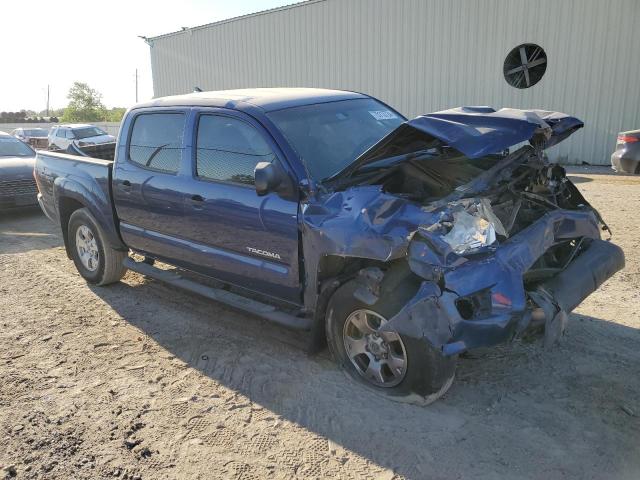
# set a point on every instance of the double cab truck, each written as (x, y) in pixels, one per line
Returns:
(400, 243)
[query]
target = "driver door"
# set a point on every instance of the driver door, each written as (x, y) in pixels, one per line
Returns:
(241, 238)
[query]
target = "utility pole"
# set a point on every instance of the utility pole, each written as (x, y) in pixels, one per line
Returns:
(47, 100)
(136, 85)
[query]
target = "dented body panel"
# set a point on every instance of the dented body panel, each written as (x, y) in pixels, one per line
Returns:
(484, 242)
(367, 222)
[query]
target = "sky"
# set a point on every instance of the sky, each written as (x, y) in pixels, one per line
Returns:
(55, 43)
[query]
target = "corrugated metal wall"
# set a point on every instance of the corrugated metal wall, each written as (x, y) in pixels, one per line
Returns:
(427, 55)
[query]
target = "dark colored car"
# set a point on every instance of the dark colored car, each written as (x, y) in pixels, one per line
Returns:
(402, 244)
(17, 185)
(626, 158)
(36, 137)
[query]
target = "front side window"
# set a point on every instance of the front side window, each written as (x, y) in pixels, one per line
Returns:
(61, 133)
(228, 149)
(70, 134)
(156, 141)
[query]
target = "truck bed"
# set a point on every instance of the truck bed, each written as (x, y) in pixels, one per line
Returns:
(66, 180)
(104, 151)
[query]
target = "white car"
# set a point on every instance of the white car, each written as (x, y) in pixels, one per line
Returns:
(36, 137)
(62, 136)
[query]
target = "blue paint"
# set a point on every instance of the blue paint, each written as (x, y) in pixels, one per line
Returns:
(218, 228)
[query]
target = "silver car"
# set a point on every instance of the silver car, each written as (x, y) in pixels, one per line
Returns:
(61, 136)
(36, 137)
(626, 158)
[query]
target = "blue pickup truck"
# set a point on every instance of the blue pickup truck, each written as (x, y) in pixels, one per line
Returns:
(400, 243)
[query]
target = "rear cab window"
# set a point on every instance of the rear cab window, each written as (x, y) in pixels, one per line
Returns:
(228, 149)
(156, 141)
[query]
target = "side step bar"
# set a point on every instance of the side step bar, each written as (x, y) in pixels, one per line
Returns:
(268, 312)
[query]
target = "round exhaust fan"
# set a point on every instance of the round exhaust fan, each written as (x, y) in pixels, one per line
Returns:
(525, 65)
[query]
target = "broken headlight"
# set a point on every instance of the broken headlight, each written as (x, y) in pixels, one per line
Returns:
(474, 226)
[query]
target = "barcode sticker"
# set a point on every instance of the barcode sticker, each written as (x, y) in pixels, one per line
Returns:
(383, 114)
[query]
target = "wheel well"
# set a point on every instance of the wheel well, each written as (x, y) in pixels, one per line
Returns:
(66, 207)
(335, 270)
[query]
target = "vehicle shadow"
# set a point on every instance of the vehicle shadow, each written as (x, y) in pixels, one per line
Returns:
(578, 179)
(27, 229)
(503, 397)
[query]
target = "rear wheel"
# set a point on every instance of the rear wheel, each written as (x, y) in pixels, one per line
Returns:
(94, 258)
(405, 368)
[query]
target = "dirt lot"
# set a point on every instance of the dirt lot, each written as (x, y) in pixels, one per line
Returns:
(137, 380)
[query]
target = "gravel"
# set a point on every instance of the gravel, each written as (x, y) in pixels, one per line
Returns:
(140, 381)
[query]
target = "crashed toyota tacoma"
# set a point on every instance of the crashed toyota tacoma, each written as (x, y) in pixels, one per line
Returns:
(402, 243)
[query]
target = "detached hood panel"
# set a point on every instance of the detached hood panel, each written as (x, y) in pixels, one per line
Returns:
(474, 131)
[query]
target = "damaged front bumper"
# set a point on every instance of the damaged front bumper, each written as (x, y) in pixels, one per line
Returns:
(483, 301)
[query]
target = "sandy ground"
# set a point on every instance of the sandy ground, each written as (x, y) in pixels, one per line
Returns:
(138, 380)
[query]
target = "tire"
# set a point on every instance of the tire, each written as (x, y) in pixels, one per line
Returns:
(95, 260)
(427, 374)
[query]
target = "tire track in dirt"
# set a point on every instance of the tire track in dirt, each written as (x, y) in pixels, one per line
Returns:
(143, 380)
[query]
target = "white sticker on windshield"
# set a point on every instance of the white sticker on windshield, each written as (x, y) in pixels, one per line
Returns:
(383, 114)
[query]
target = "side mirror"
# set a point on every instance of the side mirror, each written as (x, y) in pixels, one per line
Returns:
(268, 177)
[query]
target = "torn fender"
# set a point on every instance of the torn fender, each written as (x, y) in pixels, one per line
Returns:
(362, 222)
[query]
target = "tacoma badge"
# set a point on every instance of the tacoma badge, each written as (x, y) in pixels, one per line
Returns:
(264, 253)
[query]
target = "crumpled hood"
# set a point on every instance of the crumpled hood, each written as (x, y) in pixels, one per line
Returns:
(473, 131)
(16, 168)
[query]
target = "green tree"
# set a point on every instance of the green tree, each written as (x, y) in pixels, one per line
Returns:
(85, 104)
(115, 114)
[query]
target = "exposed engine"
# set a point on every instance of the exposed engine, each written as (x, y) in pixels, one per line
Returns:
(516, 190)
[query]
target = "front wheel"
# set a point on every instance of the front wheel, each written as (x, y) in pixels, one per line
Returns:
(405, 368)
(94, 258)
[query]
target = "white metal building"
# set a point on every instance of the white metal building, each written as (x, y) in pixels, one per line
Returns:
(426, 55)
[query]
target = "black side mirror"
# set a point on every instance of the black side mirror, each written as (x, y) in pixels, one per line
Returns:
(268, 177)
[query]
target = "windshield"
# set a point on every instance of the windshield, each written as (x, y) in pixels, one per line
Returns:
(329, 136)
(12, 147)
(35, 132)
(88, 132)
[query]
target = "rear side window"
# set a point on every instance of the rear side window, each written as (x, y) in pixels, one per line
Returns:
(228, 149)
(61, 133)
(156, 141)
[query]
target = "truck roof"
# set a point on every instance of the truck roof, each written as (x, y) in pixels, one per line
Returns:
(268, 99)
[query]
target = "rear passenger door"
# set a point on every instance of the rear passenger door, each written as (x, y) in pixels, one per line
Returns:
(148, 184)
(240, 237)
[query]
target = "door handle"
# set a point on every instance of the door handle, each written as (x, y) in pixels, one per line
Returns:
(197, 201)
(126, 187)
